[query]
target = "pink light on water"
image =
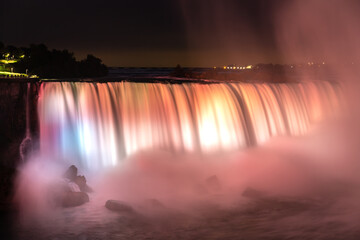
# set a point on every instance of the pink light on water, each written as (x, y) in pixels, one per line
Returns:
(99, 124)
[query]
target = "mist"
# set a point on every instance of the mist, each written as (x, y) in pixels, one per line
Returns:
(322, 166)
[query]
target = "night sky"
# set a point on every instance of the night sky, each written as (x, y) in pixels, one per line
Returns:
(156, 33)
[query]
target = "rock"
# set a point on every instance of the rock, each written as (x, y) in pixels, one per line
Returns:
(253, 193)
(213, 183)
(25, 148)
(154, 203)
(74, 190)
(118, 206)
(71, 173)
(73, 199)
(200, 189)
(81, 182)
(73, 187)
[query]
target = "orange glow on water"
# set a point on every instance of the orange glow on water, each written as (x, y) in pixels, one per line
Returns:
(101, 123)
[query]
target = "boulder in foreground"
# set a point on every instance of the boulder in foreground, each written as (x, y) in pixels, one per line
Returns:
(73, 199)
(213, 184)
(253, 193)
(118, 206)
(154, 204)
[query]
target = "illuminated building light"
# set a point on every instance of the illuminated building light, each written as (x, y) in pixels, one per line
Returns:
(249, 67)
(224, 67)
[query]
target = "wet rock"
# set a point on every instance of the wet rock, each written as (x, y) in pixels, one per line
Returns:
(213, 184)
(200, 189)
(73, 199)
(154, 203)
(118, 206)
(72, 191)
(81, 182)
(25, 149)
(71, 173)
(73, 187)
(253, 193)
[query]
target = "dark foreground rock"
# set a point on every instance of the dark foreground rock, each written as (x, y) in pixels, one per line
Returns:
(119, 206)
(154, 204)
(71, 173)
(73, 191)
(73, 199)
(253, 193)
(213, 184)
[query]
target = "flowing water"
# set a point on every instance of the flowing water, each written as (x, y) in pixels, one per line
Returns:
(99, 124)
(25, 146)
(117, 130)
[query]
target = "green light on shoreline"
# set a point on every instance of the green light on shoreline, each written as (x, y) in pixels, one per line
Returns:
(13, 74)
(5, 61)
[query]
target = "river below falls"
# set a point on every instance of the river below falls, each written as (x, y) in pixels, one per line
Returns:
(273, 218)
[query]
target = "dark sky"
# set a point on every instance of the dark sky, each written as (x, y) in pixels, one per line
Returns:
(147, 32)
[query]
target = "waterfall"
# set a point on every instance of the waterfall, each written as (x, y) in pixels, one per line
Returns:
(99, 124)
(26, 144)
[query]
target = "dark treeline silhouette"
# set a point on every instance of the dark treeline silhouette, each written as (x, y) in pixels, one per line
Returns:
(40, 61)
(181, 72)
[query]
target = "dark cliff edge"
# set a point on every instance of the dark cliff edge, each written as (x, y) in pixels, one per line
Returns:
(13, 97)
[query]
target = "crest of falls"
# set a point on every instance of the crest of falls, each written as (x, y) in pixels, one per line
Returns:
(99, 124)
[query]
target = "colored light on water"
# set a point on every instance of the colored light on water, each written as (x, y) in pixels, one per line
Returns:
(99, 124)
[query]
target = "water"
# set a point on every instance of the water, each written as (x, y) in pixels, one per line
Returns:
(248, 220)
(26, 144)
(161, 141)
(100, 124)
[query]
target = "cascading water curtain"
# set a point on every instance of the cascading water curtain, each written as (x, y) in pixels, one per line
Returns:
(99, 124)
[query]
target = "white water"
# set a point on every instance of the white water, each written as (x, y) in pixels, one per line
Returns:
(100, 124)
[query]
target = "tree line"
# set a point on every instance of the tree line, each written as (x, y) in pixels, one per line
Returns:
(38, 60)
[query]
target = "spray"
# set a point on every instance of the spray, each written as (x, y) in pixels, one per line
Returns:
(26, 144)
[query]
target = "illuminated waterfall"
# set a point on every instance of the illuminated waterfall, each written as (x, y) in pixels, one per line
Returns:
(99, 124)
